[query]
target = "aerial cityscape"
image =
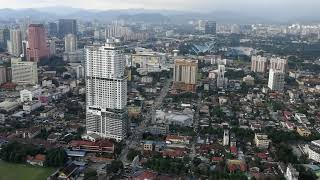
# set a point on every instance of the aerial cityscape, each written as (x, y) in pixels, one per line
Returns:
(159, 90)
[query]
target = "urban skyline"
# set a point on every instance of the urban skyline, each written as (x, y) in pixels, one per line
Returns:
(159, 89)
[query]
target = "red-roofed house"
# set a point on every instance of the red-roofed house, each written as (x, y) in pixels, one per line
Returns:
(173, 153)
(233, 149)
(146, 175)
(39, 159)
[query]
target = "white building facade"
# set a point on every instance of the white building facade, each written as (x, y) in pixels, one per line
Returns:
(106, 87)
(24, 72)
(276, 80)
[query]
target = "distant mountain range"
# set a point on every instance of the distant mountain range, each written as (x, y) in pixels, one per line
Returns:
(54, 13)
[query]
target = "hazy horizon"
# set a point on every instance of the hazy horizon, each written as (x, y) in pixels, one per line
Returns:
(245, 6)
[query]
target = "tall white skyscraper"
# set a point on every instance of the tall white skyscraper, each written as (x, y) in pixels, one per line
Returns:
(276, 80)
(259, 64)
(221, 80)
(70, 43)
(278, 64)
(106, 86)
(226, 137)
(15, 42)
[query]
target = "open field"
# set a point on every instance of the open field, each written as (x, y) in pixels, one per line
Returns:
(10, 171)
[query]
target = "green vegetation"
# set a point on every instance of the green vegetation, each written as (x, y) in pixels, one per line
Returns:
(9, 171)
(185, 131)
(90, 174)
(132, 154)
(56, 157)
(168, 165)
(16, 153)
(115, 167)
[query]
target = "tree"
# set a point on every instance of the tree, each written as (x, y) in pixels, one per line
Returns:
(115, 166)
(16, 152)
(90, 174)
(132, 154)
(56, 157)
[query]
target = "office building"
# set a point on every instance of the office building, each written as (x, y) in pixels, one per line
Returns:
(3, 75)
(185, 74)
(4, 37)
(24, 72)
(210, 27)
(67, 26)
(106, 86)
(278, 64)
(15, 42)
(276, 80)
(37, 43)
(52, 29)
(70, 43)
(259, 64)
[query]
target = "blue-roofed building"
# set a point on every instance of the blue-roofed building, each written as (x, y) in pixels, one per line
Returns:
(71, 153)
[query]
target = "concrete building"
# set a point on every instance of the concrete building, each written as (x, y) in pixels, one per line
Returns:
(24, 72)
(31, 106)
(261, 140)
(106, 91)
(37, 43)
(30, 94)
(249, 80)
(15, 43)
(70, 43)
(3, 75)
(148, 61)
(276, 80)
(259, 64)
(303, 131)
(313, 150)
(279, 64)
(185, 74)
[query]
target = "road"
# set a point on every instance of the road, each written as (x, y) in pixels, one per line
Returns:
(133, 141)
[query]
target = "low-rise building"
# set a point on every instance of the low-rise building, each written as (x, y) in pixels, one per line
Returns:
(178, 139)
(88, 146)
(38, 160)
(261, 140)
(303, 131)
(148, 146)
(31, 106)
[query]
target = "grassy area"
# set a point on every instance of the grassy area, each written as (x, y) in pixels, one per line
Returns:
(10, 171)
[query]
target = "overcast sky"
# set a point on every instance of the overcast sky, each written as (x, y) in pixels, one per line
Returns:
(194, 5)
